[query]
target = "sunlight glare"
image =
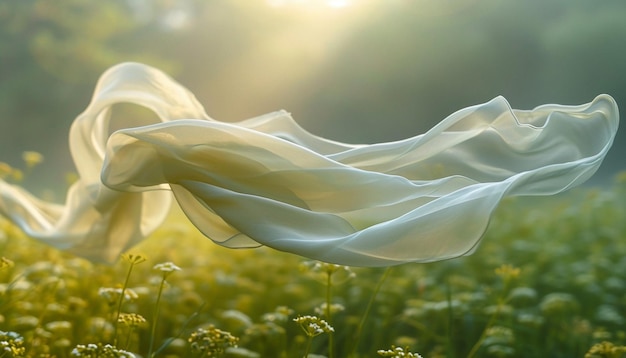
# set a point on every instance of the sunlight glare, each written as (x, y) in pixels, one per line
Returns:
(336, 4)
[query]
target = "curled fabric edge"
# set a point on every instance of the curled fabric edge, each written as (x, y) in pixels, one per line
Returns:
(266, 181)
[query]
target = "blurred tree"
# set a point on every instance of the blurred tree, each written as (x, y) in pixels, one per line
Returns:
(51, 53)
(68, 39)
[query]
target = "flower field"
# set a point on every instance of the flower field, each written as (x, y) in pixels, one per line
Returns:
(548, 280)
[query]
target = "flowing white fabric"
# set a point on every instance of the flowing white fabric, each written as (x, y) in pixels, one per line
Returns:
(266, 181)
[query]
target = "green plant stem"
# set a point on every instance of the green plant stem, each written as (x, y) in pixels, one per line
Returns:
(155, 317)
(130, 334)
(501, 302)
(449, 341)
(482, 337)
(119, 303)
(331, 336)
(182, 329)
(308, 346)
(370, 304)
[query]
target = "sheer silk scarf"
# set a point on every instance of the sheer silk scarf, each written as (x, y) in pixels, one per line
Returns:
(266, 181)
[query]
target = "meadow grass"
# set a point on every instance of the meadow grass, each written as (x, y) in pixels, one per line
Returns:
(548, 280)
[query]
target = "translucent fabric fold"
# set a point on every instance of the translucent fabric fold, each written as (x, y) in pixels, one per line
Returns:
(266, 181)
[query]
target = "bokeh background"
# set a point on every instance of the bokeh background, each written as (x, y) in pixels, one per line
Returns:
(359, 71)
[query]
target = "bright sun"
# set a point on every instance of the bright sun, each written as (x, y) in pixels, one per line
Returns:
(327, 3)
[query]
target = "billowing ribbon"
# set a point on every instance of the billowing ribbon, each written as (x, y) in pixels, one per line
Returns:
(266, 181)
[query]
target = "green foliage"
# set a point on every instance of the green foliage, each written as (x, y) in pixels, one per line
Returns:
(547, 281)
(52, 53)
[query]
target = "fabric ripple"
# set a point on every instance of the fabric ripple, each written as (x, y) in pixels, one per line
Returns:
(266, 181)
